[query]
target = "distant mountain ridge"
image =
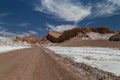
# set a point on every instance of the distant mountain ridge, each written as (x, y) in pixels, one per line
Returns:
(82, 32)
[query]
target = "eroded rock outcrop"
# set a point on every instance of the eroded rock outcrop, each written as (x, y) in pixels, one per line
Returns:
(115, 37)
(44, 40)
(31, 39)
(55, 34)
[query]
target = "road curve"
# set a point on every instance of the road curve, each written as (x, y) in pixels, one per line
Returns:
(34, 64)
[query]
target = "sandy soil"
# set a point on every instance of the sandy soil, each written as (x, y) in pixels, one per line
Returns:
(92, 43)
(37, 64)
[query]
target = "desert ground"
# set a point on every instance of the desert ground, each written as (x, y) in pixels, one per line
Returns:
(40, 63)
(92, 43)
(36, 64)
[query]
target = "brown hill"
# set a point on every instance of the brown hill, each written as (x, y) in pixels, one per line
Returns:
(81, 32)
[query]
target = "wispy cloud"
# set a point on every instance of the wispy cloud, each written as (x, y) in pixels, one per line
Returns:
(1, 23)
(105, 9)
(5, 33)
(23, 34)
(60, 28)
(76, 11)
(115, 2)
(46, 29)
(27, 33)
(89, 23)
(24, 24)
(4, 14)
(64, 9)
(32, 32)
(1, 28)
(70, 10)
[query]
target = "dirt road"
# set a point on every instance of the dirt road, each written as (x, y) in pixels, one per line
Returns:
(36, 64)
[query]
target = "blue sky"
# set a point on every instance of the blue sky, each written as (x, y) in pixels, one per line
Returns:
(24, 17)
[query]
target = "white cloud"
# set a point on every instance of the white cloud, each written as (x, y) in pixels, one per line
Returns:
(64, 9)
(60, 28)
(70, 10)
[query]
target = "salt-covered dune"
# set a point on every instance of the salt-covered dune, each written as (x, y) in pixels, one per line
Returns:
(107, 59)
(7, 44)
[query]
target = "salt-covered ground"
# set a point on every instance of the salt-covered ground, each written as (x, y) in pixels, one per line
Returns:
(7, 44)
(6, 48)
(107, 59)
(96, 36)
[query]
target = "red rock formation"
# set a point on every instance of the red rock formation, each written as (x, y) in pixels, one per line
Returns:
(32, 39)
(18, 38)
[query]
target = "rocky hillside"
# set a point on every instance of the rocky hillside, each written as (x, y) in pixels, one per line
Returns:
(81, 33)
